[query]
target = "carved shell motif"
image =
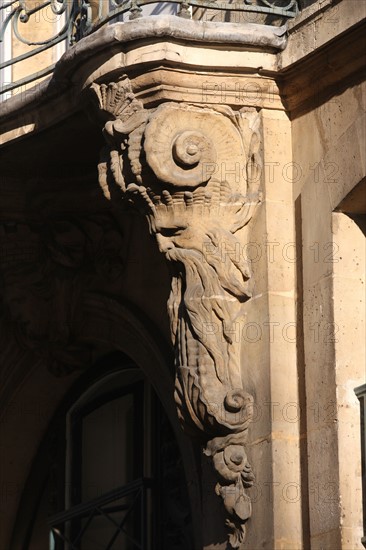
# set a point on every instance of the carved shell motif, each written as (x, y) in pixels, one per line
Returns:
(114, 98)
(186, 145)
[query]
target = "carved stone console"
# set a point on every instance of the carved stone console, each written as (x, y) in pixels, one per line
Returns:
(194, 172)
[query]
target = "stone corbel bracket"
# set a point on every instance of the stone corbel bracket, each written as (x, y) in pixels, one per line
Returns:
(194, 172)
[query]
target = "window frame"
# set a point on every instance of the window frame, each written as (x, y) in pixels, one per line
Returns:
(74, 427)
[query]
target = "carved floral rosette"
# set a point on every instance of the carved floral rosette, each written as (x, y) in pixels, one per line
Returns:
(194, 172)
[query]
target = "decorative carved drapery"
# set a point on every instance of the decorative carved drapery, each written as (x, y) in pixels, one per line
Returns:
(194, 172)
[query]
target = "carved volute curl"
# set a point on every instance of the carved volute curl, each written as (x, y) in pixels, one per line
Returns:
(194, 172)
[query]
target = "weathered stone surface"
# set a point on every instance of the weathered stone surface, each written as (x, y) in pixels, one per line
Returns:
(248, 34)
(330, 166)
(292, 350)
(168, 163)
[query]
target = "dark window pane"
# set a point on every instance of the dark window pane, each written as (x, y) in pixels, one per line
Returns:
(107, 447)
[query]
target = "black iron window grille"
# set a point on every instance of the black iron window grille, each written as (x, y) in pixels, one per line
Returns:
(123, 509)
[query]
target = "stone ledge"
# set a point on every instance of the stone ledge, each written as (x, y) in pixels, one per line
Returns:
(199, 46)
(260, 37)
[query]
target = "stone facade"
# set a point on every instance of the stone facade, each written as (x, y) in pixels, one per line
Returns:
(191, 194)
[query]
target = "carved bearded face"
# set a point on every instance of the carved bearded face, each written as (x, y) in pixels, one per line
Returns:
(181, 235)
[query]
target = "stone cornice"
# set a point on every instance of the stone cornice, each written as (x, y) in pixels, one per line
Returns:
(191, 46)
(232, 56)
(325, 72)
(260, 37)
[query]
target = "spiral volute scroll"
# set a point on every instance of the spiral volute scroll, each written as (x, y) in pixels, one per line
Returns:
(237, 401)
(184, 146)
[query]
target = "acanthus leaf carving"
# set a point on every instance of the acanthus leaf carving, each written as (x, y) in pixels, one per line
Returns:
(171, 162)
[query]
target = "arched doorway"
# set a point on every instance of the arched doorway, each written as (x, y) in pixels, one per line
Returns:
(109, 472)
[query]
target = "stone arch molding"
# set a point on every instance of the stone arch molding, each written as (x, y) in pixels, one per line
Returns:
(194, 171)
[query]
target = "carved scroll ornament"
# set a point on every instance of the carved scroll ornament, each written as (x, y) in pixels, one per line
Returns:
(194, 172)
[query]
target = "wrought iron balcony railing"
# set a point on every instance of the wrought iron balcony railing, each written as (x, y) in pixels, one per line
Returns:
(35, 33)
